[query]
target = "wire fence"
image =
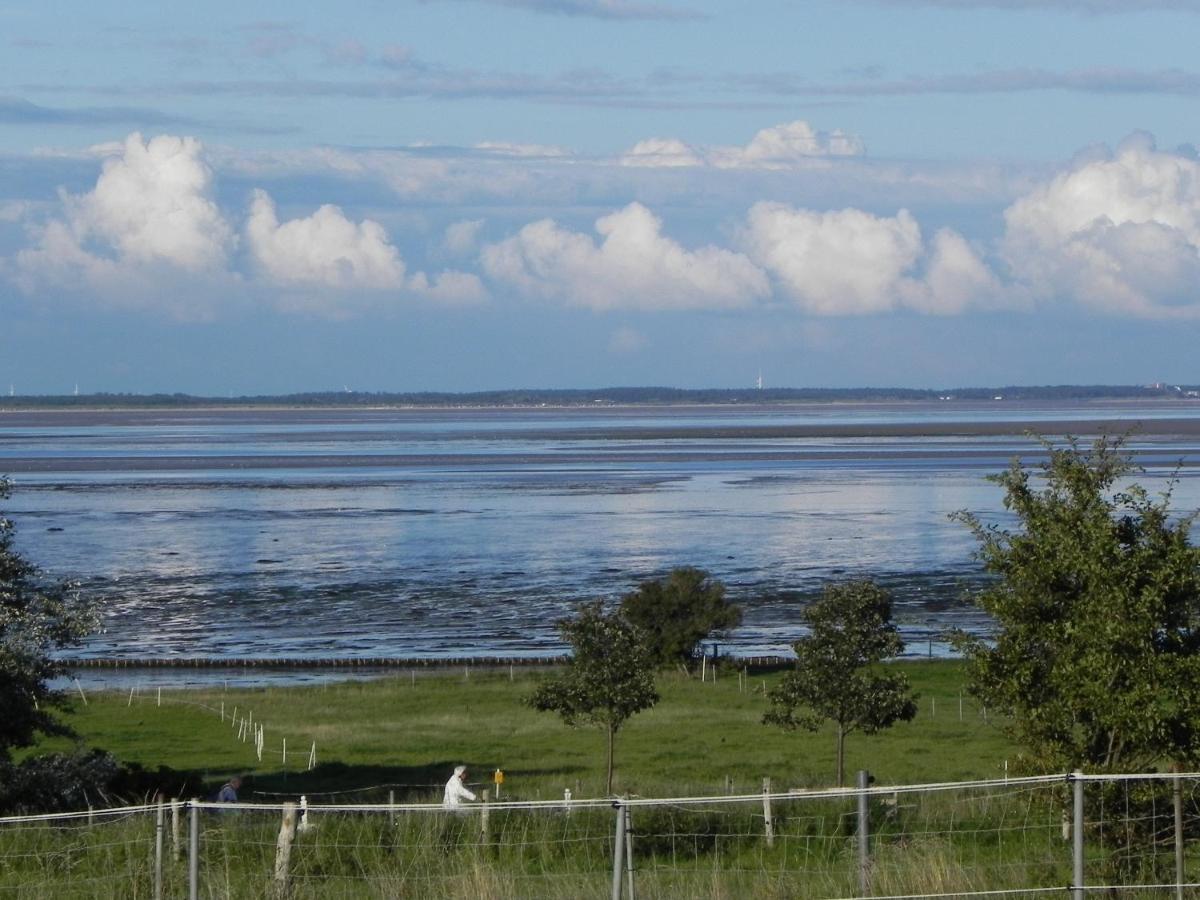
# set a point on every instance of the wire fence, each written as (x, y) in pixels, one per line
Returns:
(1068, 835)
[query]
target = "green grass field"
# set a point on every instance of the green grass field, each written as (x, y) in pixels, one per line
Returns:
(405, 735)
(701, 737)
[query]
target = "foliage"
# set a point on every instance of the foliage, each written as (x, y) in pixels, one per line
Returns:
(676, 613)
(608, 678)
(1097, 652)
(57, 782)
(37, 617)
(837, 678)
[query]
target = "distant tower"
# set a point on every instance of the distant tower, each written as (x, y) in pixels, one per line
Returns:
(758, 383)
(77, 389)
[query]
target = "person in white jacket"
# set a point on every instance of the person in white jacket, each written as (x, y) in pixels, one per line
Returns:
(456, 789)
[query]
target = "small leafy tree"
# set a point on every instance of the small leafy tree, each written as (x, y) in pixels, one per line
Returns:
(37, 617)
(837, 677)
(1096, 599)
(609, 676)
(677, 612)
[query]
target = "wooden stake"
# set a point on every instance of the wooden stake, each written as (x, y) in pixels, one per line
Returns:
(81, 693)
(483, 820)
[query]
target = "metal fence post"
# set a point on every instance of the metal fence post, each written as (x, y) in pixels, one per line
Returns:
(864, 834)
(1077, 888)
(194, 852)
(618, 851)
(159, 823)
(629, 850)
(1178, 799)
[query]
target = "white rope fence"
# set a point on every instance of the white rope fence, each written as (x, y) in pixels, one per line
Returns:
(247, 730)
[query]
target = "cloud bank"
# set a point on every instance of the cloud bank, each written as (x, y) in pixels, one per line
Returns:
(1113, 232)
(151, 224)
(601, 9)
(778, 147)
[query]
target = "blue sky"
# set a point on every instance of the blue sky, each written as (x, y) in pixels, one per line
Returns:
(472, 194)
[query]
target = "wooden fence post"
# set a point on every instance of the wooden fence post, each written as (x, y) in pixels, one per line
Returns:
(176, 847)
(283, 849)
(769, 822)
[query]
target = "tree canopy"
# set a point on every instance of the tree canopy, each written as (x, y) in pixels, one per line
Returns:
(677, 612)
(837, 677)
(609, 676)
(1096, 656)
(37, 617)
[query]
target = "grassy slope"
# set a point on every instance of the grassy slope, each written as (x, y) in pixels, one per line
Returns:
(392, 732)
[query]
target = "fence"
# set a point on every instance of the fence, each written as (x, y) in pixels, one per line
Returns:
(1067, 835)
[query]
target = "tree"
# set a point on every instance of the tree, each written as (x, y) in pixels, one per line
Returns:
(37, 617)
(609, 675)
(1096, 654)
(837, 677)
(676, 613)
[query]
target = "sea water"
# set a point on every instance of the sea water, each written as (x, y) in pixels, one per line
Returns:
(468, 532)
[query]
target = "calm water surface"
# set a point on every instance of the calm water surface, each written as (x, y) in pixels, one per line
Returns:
(352, 533)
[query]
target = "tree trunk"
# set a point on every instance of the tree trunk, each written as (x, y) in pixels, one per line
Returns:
(841, 754)
(612, 733)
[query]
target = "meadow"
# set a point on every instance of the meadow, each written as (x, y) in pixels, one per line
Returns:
(701, 738)
(398, 738)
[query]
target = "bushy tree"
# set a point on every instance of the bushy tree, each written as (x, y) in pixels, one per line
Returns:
(37, 617)
(1096, 600)
(676, 613)
(609, 676)
(837, 676)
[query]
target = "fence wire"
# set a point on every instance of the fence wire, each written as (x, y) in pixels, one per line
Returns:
(1140, 837)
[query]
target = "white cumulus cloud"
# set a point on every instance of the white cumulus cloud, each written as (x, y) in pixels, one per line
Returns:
(324, 249)
(150, 212)
(327, 251)
(1119, 233)
(851, 262)
(633, 266)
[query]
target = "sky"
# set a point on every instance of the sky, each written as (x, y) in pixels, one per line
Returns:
(269, 197)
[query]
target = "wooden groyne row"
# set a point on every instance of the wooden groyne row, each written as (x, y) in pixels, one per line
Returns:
(366, 662)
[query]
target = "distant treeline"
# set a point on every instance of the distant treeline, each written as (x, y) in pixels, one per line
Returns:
(614, 396)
